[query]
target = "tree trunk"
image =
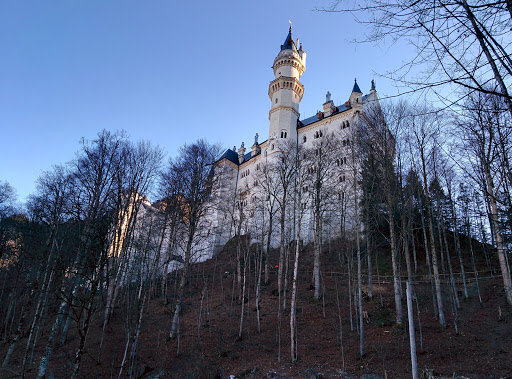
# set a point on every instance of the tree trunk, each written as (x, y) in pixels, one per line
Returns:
(412, 338)
(505, 272)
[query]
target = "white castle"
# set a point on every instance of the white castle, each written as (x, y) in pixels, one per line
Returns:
(238, 174)
(238, 171)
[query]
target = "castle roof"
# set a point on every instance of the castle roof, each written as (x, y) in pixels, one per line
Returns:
(356, 87)
(232, 156)
(289, 43)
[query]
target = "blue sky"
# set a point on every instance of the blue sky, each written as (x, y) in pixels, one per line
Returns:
(165, 71)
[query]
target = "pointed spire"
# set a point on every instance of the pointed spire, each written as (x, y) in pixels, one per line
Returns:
(289, 43)
(356, 87)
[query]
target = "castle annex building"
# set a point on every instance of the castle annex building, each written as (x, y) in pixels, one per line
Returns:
(239, 170)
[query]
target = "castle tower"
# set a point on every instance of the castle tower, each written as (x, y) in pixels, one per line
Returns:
(285, 91)
(356, 97)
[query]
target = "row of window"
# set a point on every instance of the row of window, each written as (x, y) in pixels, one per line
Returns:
(341, 161)
(319, 133)
(245, 173)
(341, 197)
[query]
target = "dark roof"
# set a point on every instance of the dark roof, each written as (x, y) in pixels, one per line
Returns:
(356, 87)
(313, 119)
(289, 44)
(233, 155)
(230, 155)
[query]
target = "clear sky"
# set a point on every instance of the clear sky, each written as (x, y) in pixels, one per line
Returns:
(165, 71)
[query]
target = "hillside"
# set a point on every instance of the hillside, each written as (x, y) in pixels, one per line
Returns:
(208, 345)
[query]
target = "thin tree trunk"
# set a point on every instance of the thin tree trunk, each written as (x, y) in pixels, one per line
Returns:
(412, 338)
(433, 252)
(181, 290)
(505, 272)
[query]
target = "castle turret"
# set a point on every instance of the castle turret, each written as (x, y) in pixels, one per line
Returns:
(356, 97)
(241, 154)
(328, 105)
(285, 91)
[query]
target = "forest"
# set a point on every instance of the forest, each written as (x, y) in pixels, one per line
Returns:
(96, 282)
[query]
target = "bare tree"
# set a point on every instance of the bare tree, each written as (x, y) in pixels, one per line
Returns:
(299, 156)
(94, 175)
(322, 180)
(424, 129)
(192, 172)
(462, 43)
(479, 124)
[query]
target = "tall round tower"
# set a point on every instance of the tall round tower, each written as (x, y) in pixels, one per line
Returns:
(285, 91)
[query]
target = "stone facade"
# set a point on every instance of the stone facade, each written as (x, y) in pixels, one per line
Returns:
(238, 171)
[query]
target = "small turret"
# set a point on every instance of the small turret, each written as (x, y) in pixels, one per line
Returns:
(255, 148)
(328, 105)
(356, 96)
(241, 154)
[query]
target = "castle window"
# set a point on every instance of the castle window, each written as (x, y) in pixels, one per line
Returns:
(347, 124)
(283, 134)
(304, 139)
(342, 178)
(276, 100)
(265, 153)
(272, 147)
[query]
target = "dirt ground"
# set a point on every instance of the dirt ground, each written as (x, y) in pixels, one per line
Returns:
(477, 343)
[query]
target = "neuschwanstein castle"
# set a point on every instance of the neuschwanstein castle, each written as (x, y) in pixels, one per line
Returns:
(239, 191)
(239, 170)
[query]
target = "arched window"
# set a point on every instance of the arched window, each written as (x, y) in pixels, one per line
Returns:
(272, 147)
(276, 100)
(347, 124)
(304, 139)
